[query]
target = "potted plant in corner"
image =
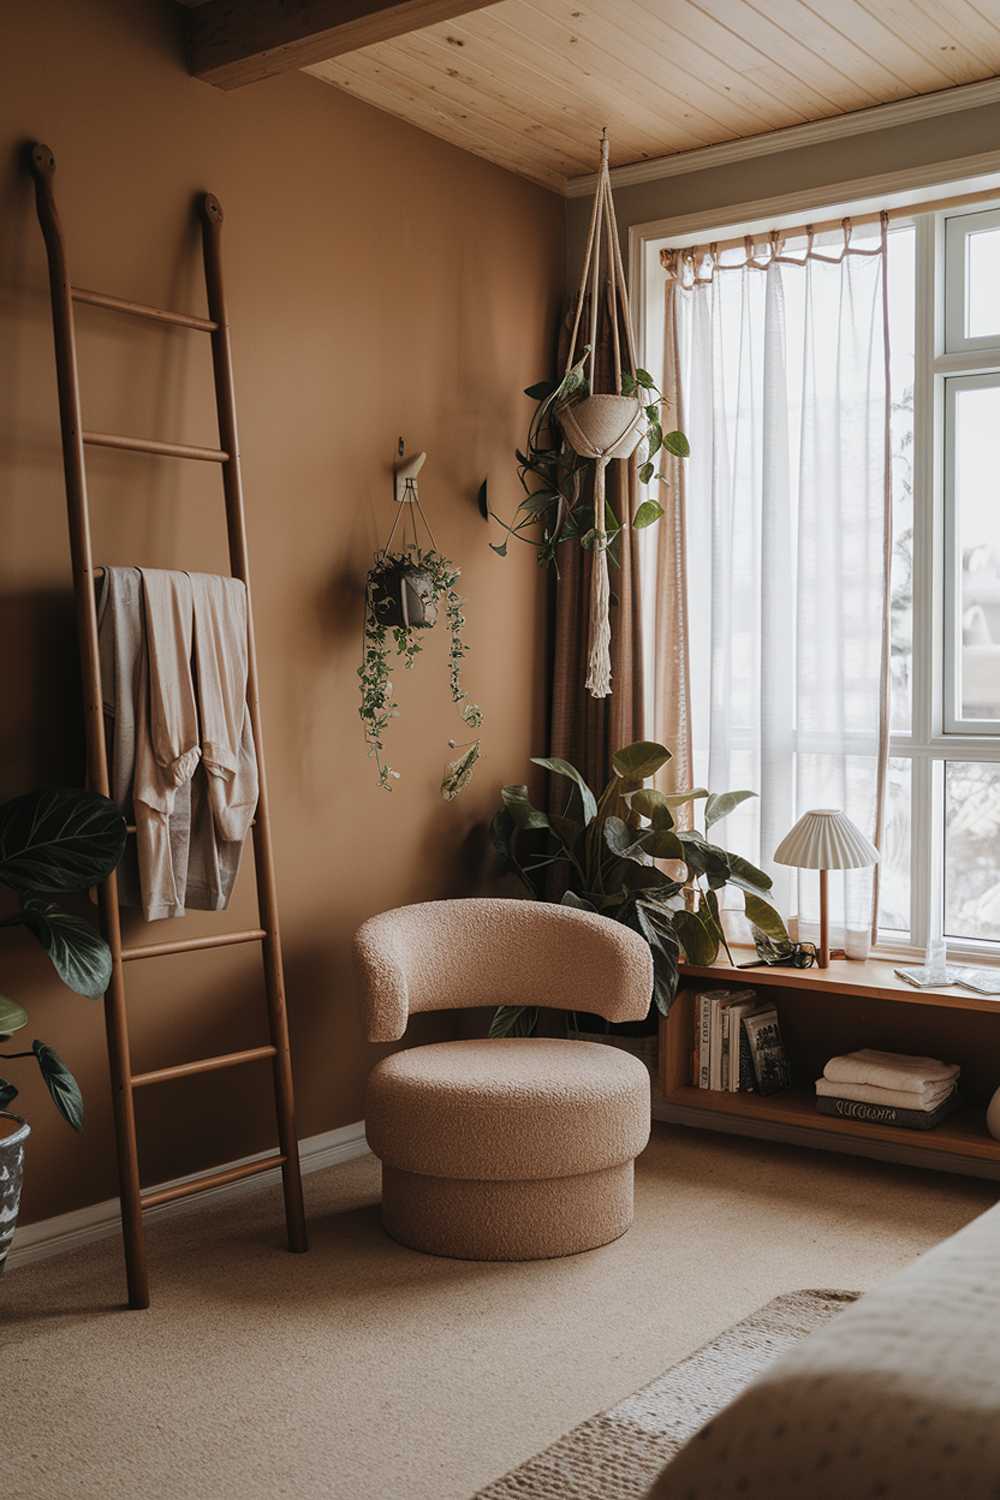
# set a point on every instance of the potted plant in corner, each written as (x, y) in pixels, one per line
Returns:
(52, 843)
(609, 852)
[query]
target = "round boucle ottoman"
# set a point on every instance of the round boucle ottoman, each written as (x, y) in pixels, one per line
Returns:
(515, 1149)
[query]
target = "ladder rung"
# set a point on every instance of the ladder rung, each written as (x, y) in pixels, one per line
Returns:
(156, 1196)
(149, 445)
(140, 310)
(191, 945)
(203, 1065)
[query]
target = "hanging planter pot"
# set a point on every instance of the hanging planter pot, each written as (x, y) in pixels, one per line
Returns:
(13, 1133)
(603, 426)
(403, 594)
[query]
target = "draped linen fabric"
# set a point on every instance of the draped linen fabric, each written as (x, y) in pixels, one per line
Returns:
(772, 569)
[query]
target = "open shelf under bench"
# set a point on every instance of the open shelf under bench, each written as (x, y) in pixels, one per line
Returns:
(825, 1012)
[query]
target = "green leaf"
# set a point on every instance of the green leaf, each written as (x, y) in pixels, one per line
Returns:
(538, 502)
(61, 1084)
(705, 859)
(80, 956)
(653, 805)
(629, 384)
(645, 475)
(747, 876)
(514, 1020)
(698, 937)
(656, 925)
(7, 1093)
(678, 799)
(622, 841)
(515, 799)
(579, 903)
(764, 917)
(645, 380)
(59, 840)
(721, 804)
(500, 548)
(648, 512)
(563, 768)
(640, 761)
(542, 390)
(662, 843)
(677, 444)
(12, 1017)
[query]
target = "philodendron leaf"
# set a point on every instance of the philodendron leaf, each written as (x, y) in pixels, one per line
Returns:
(648, 512)
(514, 1020)
(698, 937)
(657, 926)
(721, 804)
(12, 1017)
(764, 917)
(677, 444)
(59, 840)
(61, 1084)
(563, 768)
(652, 805)
(640, 761)
(678, 799)
(747, 876)
(706, 859)
(516, 801)
(7, 1092)
(80, 956)
(662, 843)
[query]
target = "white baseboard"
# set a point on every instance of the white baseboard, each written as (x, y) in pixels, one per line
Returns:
(99, 1221)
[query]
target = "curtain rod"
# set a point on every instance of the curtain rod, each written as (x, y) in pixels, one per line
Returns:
(904, 211)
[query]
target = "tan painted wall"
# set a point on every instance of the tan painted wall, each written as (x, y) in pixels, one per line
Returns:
(380, 282)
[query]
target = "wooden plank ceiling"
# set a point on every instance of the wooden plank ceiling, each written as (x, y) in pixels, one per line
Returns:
(529, 83)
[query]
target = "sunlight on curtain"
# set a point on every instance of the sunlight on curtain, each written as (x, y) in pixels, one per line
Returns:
(782, 373)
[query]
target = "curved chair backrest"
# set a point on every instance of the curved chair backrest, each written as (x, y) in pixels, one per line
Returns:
(453, 955)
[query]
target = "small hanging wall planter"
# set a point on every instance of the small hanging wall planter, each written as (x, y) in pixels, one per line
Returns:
(404, 592)
(575, 428)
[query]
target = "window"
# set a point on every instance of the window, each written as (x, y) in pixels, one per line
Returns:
(941, 850)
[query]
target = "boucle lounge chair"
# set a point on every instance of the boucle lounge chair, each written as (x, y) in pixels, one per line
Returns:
(518, 1148)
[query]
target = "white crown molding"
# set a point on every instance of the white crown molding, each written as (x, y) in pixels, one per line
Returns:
(100, 1221)
(858, 122)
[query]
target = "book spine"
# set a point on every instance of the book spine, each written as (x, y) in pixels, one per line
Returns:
(715, 1067)
(748, 1079)
(704, 1040)
(724, 1050)
(884, 1114)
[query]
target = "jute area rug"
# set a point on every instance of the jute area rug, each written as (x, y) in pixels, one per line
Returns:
(617, 1454)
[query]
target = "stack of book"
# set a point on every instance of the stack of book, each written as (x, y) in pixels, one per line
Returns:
(737, 1043)
(888, 1088)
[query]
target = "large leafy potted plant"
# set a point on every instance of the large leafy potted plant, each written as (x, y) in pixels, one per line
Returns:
(608, 854)
(52, 843)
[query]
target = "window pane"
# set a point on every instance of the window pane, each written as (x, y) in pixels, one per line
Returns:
(894, 876)
(972, 850)
(982, 284)
(977, 541)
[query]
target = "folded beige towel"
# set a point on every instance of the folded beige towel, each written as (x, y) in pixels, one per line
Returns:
(890, 1070)
(865, 1093)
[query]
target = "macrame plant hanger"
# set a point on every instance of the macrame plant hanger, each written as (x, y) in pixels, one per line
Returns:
(603, 426)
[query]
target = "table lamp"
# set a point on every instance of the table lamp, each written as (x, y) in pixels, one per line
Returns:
(823, 840)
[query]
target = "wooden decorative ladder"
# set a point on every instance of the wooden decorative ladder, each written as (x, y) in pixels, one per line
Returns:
(74, 440)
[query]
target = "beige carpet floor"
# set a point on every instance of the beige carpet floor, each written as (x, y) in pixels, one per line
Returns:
(363, 1371)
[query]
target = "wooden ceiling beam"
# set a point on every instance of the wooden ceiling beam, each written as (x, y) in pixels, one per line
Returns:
(235, 42)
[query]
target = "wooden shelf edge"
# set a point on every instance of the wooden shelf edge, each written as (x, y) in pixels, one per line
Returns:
(956, 1136)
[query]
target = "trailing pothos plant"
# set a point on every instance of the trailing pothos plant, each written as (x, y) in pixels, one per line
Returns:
(403, 593)
(609, 852)
(551, 473)
(55, 843)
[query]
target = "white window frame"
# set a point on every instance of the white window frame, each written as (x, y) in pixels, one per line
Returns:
(934, 738)
(958, 230)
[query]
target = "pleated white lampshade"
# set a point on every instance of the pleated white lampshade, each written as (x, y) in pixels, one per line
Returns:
(826, 839)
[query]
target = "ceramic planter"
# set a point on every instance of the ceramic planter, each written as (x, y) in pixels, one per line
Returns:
(403, 594)
(603, 426)
(13, 1133)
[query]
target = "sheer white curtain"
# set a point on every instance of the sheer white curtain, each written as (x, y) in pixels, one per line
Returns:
(780, 368)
